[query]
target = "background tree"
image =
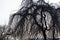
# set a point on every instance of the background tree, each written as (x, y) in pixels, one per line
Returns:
(32, 19)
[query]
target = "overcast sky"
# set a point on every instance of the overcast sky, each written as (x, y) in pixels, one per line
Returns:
(8, 7)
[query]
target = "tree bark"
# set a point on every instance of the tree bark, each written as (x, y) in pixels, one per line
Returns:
(53, 34)
(44, 34)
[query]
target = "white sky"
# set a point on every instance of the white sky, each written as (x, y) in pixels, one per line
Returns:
(7, 7)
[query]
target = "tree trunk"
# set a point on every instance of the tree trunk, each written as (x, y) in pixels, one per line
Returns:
(53, 34)
(44, 34)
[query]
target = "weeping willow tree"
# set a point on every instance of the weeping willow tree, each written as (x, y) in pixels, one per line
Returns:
(58, 13)
(32, 19)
